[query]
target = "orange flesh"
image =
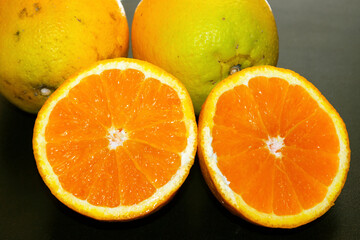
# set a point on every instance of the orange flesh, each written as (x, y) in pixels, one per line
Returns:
(275, 146)
(116, 138)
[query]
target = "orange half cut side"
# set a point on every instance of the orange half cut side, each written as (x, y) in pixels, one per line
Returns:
(116, 141)
(272, 148)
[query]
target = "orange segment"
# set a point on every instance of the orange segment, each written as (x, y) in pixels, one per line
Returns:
(271, 147)
(246, 172)
(106, 181)
(169, 136)
(67, 157)
(90, 95)
(320, 165)
(285, 201)
(227, 141)
(127, 84)
(316, 132)
(78, 182)
(259, 190)
(308, 190)
(157, 165)
(237, 168)
(116, 141)
(135, 187)
(298, 106)
(64, 155)
(269, 94)
(68, 123)
(237, 109)
(156, 102)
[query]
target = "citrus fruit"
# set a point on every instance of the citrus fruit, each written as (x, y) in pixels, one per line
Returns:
(199, 41)
(116, 141)
(272, 148)
(44, 42)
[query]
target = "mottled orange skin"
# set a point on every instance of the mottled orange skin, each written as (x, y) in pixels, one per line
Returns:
(198, 41)
(43, 42)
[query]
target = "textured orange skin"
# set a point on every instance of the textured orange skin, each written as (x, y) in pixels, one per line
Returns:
(198, 41)
(44, 42)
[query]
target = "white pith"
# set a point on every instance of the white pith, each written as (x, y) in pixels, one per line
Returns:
(275, 144)
(116, 138)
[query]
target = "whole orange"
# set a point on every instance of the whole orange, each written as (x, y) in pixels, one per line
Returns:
(43, 42)
(199, 41)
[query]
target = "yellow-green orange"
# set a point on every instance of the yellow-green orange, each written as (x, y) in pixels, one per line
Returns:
(198, 41)
(43, 42)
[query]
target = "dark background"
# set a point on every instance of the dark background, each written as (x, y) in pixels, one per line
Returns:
(319, 39)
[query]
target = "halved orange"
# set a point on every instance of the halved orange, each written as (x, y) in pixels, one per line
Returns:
(116, 141)
(272, 149)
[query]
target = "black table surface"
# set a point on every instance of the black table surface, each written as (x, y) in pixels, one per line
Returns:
(319, 39)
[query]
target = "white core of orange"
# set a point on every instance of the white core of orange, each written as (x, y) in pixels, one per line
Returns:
(116, 138)
(275, 144)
